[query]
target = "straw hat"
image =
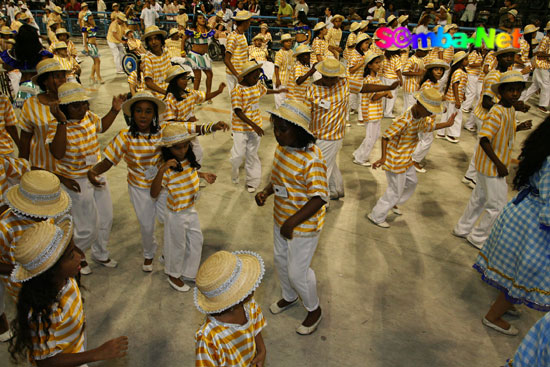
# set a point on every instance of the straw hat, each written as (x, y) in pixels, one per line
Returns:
(172, 31)
(429, 6)
(122, 17)
(431, 99)
(319, 26)
(506, 50)
(59, 45)
(362, 37)
(437, 63)
(175, 133)
(448, 27)
(513, 12)
(286, 37)
(264, 26)
(226, 279)
(46, 66)
(302, 49)
(369, 56)
(6, 30)
(354, 26)
(143, 96)
(259, 36)
(40, 247)
(242, 15)
(153, 30)
(391, 18)
(512, 76)
(382, 21)
(219, 14)
(402, 18)
(115, 4)
(181, 7)
(530, 28)
(331, 68)
(83, 5)
(547, 26)
(60, 31)
(38, 195)
(249, 67)
(177, 70)
(459, 56)
(338, 16)
(58, 10)
(71, 92)
(364, 24)
(392, 48)
(535, 41)
(128, 30)
(296, 113)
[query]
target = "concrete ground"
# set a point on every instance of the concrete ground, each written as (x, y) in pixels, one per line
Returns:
(404, 296)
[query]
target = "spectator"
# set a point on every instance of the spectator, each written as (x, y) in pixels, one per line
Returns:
(11, 9)
(138, 7)
(353, 15)
(469, 13)
(301, 6)
(422, 26)
(441, 16)
(285, 11)
(227, 14)
(182, 18)
(101, 7)
(391, 11)
(254, 7)
(539, 35)
(217, 4)
(149, 15)
(511, 22)
(327, 18)
(508, 5)
(379, 12)
(430, 12)
(116, 12)
(169, 8)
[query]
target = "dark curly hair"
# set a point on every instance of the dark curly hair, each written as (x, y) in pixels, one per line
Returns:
(162, 41)
(27, 46)
(303, 139)
(155, 126)
(533, 154)
(367, 69)
(175, 90)
(190, 156)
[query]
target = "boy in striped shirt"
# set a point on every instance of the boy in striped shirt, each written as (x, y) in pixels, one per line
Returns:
(398, 144)
(256, 51)
(492, 161)
(413, 72)
(8, 126)
(236, 49)
(284, 66)
(473, 87)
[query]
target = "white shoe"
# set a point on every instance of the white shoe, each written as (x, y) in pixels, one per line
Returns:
(469, 182)
(512, 331)
(456, 234)
(452, 139)
(250, 189)
(364, 164)
(477, 245)
(396, 211)
(86, 270)
(381, 225)
(183, 288)
(348, 124)
(147, 268)
(275, 309)
(4, 337)
(420, 170)
(307, 330)
(109, 264)
(439, 136)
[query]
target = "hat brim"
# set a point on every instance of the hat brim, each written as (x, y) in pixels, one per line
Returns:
(338, 17)
(509, 50)
(341, 72)
(252, 272)
(459, 60)
(532, 31)
(315, 29)
(296, 54)
(431, 66)
(171, 77)
(34, 79)
(82, 98)
(248, 71)
(289, 119)
(189, 137)
(154, 33)
(495, 86)
(26, 207)
(127, 106)
(433, 109)
(242, 18)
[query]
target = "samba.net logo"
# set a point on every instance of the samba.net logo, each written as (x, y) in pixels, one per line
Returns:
(402, 38)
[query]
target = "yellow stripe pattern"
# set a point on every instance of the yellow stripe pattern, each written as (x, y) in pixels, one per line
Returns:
(182, 187)
(412, 83)
(12, 168)
(491, 78)
(328, 109)
(257, 53)
(285, 62)
(155, 67)
(355, 59)
(184, 109)
(474, 57)
(248, 100)
(544, 46)
(390, 67)
(320, 48)
(459, 76)
(7, 118)
(237, 46)
(298, 92)
(372, 110)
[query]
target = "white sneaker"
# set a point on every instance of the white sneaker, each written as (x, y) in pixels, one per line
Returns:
(109, 264)
(469, 182)
(86, 270)
(396, 211)
(420, 170)
(364, 164)
(4, 337)
(452, 139)
(381, 225)
(183, 288)
(477, 245)
(250, 189)
(512, 331)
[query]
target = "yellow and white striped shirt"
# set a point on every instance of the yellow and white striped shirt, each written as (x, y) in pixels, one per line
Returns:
(285, 62)
(460, 77)
(237, 46)
(491, 78)
(66, 333)
(431, 56)
(13, 169)
(182, 110)
(257, 53)
(182, 187)
(474, 57)
(132, 80)
(412, 83)
(334, 36)
(372, 110)
(36, 118)
(155, 67)
(524, 50)
(67, 63)
(71, 49)
(135, 45)
(355, 59)
(390, 67)
(500, 128)
(544, 46)
(298, 92)
(82, 150)
(347, 51)
(377, 50)
(403, 137)
(491, 60)
(173, 47)
(404, 56)
(248, 100)
(303, 175)
(7, 118)
(320, 48)
(448, 54)
(221, 344)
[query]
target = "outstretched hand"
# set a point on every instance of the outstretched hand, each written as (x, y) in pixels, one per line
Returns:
(118, 101)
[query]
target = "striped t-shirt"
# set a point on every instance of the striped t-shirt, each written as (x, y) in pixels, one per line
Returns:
(298, 92)
(491, 78)
(182, 110)
(320, 48)
(372, 110)
(182, 187)
(7, 118)
(474, 57)
(355, 59)
(237, 46)
(284, 61)
(391, 66)
(460, 77)
(544, 47)
(257, 53)
(412, 83)
(247, 99)
(155, 68)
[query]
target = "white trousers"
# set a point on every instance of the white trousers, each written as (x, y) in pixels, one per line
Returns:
(182, 243)
(92, 211)
(473, 90)
(443, 80)
(455, 129)
(330, 149)
(471, 173)
(280, 97)
(197, 149)
(372, 132)
(541, 80)
(231, 84)
(117, 49)
(292, 260)
(388, 103)
(408, 100)
(425, 140)
(147, 210)
(400, 188)
(245, 148)
(488, 198)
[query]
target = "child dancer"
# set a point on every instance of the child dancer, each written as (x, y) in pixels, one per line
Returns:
(67, 63)
(137, 145)
(454, 96)
(413, 70)
(541, 74)
(371, 104)
(236, 50)
(256, 51)
(334, 36)
(182, 232)
(512, 258)
(50, 323)
(247, 124)
(473, 87)
(391, 72)
(283, 67)
(351, 40)
(234, 321)
(299, 182)
(74, 143)
(492, 161)
(319, 44)
(303, 73)
(356, 69)
(156, 61)
(398, 143)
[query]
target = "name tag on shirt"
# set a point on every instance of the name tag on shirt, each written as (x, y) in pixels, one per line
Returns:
(280, 191)
(150, 173)
(324, 104)
(255, 107)
(91, 160)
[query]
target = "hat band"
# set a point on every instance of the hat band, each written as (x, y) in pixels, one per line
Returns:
(39, 197)
(296, 111)
(46, 253)
(228, 283)
(170, 139)
(430, 102)
(71, 92)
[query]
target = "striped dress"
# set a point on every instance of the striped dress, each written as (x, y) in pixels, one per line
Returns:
(182, 110)
(237, 46)
(247, 99)
(218, 344)
(372, 110)
(7, 118)
(182, 187)
(303, 174)
(155, 67)
(298, 92)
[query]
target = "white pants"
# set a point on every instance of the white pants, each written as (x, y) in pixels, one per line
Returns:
(147, 209)
(400, 188)
(92, 211)
(292, 261)
(473, 90)
(425, 140)
(541, 80)
(330, 149)
(388, 103)
(443, 81)
(354, 102)
(280, 97)
(245, 147)
(488, 198)
(372, 132)
(231, 82)
(455, 129)
(182, 243)
(117, 49)
(471, 173)
(408, 100)
(197, 149)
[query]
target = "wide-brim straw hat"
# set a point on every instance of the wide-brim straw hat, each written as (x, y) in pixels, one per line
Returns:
(38, 195)
(512, 76)
(382, 21)
(530, 28)
(249, 67)
(175, 133)
(153, 30)
(364, 24)
(319, 26)
(506, 50)
(459, 56)
(513, 12)
(369, 56)
(226, 279)
(402, 18)
(83, 5)
(334, 17)
(259, 36)
(391, 18)
(40, 247)
(60, 31)
(6, 30)
(302, 49)
(448, 27)
(296, 113)
(58, 10)
(47, 66)
(220, 14)
(242, 15)
(430, 98)
(437, 63)
(429, 6)
(361, 38)
(72, 92)
(286, 37)
(142, 96)
(59, 45)
(354, 26)
(547, 26)
(122, 17)
(173, 31)
(330, 68)
(177, 70)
